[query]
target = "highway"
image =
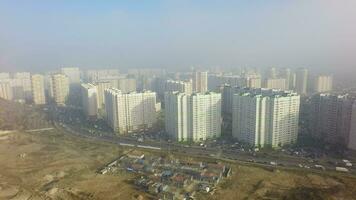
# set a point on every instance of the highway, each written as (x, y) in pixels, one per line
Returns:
(216, 153)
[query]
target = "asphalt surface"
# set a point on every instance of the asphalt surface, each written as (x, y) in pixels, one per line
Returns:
(208, 152)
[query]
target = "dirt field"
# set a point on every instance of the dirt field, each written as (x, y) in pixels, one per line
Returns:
(51, 165)
(258, 183)
(55, 166)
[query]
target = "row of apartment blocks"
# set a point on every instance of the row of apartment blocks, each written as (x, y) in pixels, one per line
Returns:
(193, 117)
(332, 118)
(33, 88)
(284, 79)
(127, 112)
(259, 117)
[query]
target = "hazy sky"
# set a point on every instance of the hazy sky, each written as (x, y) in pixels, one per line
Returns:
(47, 34)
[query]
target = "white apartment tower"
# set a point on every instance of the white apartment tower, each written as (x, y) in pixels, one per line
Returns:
(263, 117)
(5, 90)
(323, 83)
(253, 82)
(200, 81)
(101, 87)
(195, 117)
(59, 89)
(89, 100)
(38, 89)
(131, 111)
(276, 83)
(127, 85)
(180, 86)
(73, 74)
(301, 83)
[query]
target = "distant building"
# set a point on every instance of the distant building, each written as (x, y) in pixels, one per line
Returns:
(263, 117)
(276, 83)
(73, 74)
(4, 75)
(59, 89)
(180, 86)
(301, 84)
(352, 135)
(131, 111)
(216, 81)
(195, 117)
(21, 86)
(323, 83)
(5, 90)
(101, 75)
(127, 85)
(101, 87)
(89, 100)
(272, 73)
(200, 81)
(330, 117)
(253, 82)
(38, 89)
(286, 74)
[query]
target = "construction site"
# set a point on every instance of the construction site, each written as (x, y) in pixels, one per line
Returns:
(169, 178)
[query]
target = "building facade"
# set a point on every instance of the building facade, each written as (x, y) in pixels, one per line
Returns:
(301, 82)
(330, 117)
(352, 135)
(264, 117)
(73, 74)
(5, 90)
(180, 86)
(59, 89)
(130, 111)
(38, 89)
(89, 100)
(276, 83)
(200, 81)
(323, 83)
(195, 117)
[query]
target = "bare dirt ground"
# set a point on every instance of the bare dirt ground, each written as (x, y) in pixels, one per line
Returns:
(52, 165)
(258, 183)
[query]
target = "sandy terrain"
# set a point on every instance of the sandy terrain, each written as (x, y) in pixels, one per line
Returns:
(50, 165)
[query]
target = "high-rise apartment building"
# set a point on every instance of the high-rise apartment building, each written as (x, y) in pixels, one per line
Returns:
(59, 89)
(127, 85)
(263, 117)
(276, 83)
(21, 86)
(100, 75)
(323, 83)
(5, 90)
(253, 82)
(180, 86)
(89, 100)
(131, 111)
(73, 74)
(215, 81)
(330, 117)
(38, 89)
(194, 117)
(301, 83)
(352, 135)
(286, 73)
(4, 75)
(101, 87)
(272, 73)
(200, 81)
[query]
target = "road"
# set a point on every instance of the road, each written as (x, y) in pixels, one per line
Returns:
(217, 153)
